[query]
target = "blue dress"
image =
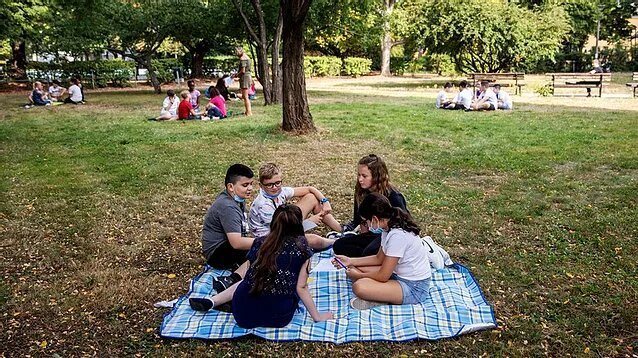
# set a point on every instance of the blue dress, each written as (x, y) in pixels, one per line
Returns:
(277, 303)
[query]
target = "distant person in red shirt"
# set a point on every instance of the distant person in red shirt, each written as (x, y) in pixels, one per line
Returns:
(185, 109)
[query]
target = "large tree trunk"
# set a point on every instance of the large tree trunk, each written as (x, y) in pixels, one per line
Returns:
(18, 64)
(197, 61)
(157, 86)
(296, 113)
(276, 69)
(386, 41)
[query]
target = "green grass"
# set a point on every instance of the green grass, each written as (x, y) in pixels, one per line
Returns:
(98, 206)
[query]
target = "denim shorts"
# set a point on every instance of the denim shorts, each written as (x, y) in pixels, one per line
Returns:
(413, 291)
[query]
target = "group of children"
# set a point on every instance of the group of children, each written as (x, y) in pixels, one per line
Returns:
(268, 248)
(486, 99)
(189, 107)
(54, 94)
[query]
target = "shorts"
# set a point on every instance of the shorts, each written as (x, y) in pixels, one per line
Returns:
(413, 291)
(225, 257)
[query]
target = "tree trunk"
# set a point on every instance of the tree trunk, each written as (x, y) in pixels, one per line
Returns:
(197, 62)
(18, 64)
(386, 40)
(296, 113)
(157, 86)
(262, 53)
(276, 69)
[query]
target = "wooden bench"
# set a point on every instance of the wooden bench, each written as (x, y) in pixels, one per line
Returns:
(511, 79)
(634, 82)
(579, 80)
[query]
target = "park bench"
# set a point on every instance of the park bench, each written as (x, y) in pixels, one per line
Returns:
(634, 82)
(580, 80)
(513, 79)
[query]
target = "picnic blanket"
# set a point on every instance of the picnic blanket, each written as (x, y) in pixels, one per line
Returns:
(456, 306)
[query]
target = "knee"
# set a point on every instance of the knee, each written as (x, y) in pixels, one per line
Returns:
(361, 287)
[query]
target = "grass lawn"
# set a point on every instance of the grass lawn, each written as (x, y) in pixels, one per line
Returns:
(101, 214)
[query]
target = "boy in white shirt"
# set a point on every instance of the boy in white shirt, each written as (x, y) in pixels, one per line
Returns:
(441, 98)
(463, 100)
(56, 91)
(487, 101)
(169, 107)
(75, 93)
(272, 195)
(504, 100)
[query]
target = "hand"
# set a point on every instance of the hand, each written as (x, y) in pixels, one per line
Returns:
(324, 316)
(317, 218)
(326, 208)
(344, 259)
(353, 273)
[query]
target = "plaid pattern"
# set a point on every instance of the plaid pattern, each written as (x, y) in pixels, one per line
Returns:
(456, 306)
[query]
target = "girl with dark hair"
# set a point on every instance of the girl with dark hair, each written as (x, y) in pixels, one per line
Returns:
(222, 88)
(276, 280)
(400, 272)
(372, 177)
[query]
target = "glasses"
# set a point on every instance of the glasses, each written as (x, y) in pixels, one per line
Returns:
(272, 185)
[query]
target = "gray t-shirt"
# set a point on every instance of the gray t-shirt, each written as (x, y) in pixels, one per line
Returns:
(224, 215)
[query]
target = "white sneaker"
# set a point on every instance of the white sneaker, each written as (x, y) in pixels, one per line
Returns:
(361, 304)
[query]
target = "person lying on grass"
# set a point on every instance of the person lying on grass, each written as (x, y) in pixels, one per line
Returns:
(272, 195)
(276, 280)
(400, 272)
(372, 177)
(225, 240)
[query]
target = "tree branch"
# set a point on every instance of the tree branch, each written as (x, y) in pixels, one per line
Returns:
(246, 21)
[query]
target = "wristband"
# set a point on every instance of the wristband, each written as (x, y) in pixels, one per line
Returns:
(324, 200)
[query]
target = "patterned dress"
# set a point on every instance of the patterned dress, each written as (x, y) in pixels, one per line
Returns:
(276, 304)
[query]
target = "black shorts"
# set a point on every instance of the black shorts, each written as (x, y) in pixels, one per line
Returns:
(358, 245)
(225, 257)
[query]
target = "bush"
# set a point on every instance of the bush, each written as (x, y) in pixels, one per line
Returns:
(398, 65)
(544, 90)
(319, 66)
(103, 72)
(356, 66)
(441, 64)
(164, 69)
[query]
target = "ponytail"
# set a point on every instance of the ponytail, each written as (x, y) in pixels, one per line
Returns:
(400, 219)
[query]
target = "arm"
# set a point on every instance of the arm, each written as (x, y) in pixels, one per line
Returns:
(304, 295)
(381, 275)
(238, 242)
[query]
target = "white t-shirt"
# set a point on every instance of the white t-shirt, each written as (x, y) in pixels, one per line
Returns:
(263, 208)
(490, 97)
(412, 252)
(441, 98)
(75, 93)
(55, 90)
(505, 99)
(172, 107)
(464, 98)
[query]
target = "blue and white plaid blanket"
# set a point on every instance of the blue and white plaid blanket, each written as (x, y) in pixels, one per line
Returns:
(456, 306)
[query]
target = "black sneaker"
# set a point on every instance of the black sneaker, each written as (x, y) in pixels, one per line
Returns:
(200, 304)
(221, 283)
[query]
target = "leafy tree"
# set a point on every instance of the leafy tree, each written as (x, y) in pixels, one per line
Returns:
(487, 35)
(22, 23)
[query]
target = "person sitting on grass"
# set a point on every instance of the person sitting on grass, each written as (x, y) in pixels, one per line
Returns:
(225, 239)
(216, 108)
(185, 109)
(463, 100)
(276, 279)
(169, 107)
(38, 97)
(372, 177)
(56, 91)
(441, 98)
(487, 100)
(272, 195)
(195, 94)
(504, 99)
(400, 271)
(75, 93)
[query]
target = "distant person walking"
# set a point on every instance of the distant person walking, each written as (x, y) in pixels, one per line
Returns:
(245, 78)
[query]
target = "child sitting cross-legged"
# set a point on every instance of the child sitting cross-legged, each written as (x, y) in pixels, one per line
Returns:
(276, 279)
(273, 194)
(400, 272)
(185, 109)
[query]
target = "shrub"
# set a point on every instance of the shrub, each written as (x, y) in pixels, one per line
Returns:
(104, 72)
(319, 66)
(544, 90)
(398, 65)
(356, 66)
(164, 69)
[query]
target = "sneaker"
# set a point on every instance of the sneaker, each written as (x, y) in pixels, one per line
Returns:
(221, 283)
(334, 235)
(201, 304)
(361, 304)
